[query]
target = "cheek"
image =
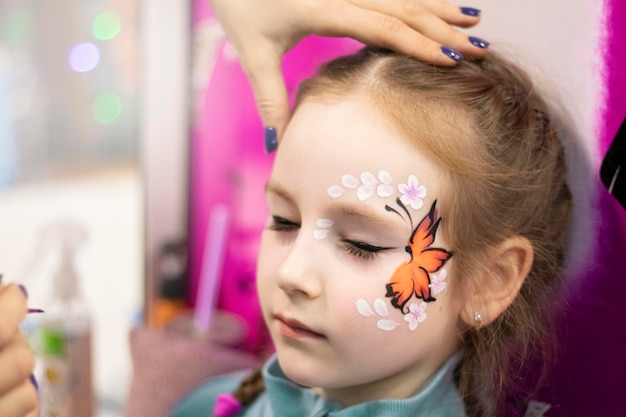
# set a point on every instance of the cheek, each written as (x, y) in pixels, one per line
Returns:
(268, 262)
(372, 307)
(366, 303)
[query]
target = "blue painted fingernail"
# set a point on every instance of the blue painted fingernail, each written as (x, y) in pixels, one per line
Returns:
(470, 11)
(451, 53)
(481, 43)
(34, 382)
(23, 288)
(271, 140)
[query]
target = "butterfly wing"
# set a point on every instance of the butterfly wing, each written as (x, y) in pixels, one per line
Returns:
(401, 286)
(413, 278)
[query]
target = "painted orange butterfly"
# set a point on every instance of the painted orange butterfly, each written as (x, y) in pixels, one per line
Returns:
(413, 277)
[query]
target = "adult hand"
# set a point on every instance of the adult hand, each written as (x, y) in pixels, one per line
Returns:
(263, 30)
(18, 394)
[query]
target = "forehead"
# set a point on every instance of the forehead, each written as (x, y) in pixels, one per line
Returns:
(325, 142)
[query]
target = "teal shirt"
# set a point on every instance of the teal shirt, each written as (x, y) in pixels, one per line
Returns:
(283, 398)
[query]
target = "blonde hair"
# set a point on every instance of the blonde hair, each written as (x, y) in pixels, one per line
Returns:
(486, 124)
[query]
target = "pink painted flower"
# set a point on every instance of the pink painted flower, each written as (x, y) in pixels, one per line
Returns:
(412, 193)
(416, 315)
(438, 282)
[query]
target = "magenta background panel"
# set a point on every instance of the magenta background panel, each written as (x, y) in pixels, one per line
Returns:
(591, 371)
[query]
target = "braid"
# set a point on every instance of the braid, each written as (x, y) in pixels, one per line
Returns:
(250, 388)
(229, 405)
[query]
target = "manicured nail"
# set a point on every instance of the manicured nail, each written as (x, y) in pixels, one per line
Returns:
(480, 43)
(35, 310)
(271, 140)
(34, 382)
(451, 53)
(470, 11)
(1, 276)
(23, 288)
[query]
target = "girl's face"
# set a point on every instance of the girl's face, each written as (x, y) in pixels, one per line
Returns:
(352, 273)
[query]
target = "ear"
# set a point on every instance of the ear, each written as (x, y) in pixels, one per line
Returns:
(497, 284)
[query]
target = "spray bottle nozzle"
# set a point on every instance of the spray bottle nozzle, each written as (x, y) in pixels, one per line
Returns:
(70, 235)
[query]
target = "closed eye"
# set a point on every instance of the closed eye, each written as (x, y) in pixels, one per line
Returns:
(362, 250)
(280, 224)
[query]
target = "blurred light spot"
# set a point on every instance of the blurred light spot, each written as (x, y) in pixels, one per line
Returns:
(107, 108)
(106, 26)
(14, 26)
(84, 57)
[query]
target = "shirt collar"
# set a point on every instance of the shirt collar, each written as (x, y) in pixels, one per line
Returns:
(438, 397)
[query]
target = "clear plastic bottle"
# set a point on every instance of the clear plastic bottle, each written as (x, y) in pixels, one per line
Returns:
(65, 337)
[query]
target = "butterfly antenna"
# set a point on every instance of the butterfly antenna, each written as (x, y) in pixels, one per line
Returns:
(389, 208)
(405, 210)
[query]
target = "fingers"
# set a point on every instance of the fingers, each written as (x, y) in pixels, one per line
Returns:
(452, 14)
(17, 363)
(18, 395)
(13, 309)
(414, 27)
(263, 68)
(19, 402)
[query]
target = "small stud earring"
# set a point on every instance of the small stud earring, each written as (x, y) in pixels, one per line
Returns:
(478, 317)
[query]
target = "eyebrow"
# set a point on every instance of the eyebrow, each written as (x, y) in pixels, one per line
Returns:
(275, 188)
(367, 215)
(358, 211)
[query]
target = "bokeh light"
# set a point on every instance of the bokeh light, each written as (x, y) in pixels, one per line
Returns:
(84, 57)
(14, 26)
(107, 108)
(106, 26)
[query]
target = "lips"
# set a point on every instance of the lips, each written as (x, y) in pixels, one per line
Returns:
(294, 329)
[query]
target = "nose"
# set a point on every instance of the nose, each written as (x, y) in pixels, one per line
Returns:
(299, 272)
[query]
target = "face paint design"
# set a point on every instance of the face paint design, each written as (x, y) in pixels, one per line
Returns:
(415, 316)
(413, 277)
(380, 307)
(324, 225)
(438, 282)
(367, 185)
(412, 193)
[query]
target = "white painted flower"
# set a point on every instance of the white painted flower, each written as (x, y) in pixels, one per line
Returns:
(324, 225)
(320, 234)
(385, 188)
(363, 308)
(366, 190)
(438, 282)
(349, 181)
(381, 307)
(335, 191)
(416, 315)
(387, 325)
(412, 193)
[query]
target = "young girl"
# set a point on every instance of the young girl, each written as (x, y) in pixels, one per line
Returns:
(414, 247)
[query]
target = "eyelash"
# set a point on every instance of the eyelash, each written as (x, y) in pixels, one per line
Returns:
(280, 224)
(361, 250)
(355, 248)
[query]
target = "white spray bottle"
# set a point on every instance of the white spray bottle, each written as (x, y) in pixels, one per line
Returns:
(65, 338)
